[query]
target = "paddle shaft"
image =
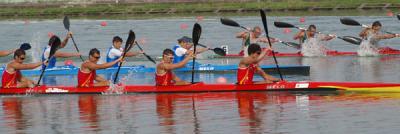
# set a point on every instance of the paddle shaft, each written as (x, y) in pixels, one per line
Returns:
(194, 61)
(264, 20)
(119, 68)
(140, 48)
(41, 75)
(76, 47)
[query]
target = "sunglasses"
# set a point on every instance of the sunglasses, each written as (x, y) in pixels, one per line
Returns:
(22, 58)
(96, 57)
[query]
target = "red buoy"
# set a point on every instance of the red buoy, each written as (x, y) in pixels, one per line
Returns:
(184, 26)
(302, 19)
(103, 23)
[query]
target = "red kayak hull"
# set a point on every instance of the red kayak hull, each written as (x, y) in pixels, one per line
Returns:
(202, 87)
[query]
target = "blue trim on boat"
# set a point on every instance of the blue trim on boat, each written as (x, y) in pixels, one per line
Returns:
(209, 68)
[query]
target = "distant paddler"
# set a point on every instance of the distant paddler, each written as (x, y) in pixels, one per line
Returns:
(183, 48)
(251, 36)
(58, 54)
(248, 66)
(12, 77)
(87, 72)
(371, 37)
(312, 42)
(116, 51)
(164, 74)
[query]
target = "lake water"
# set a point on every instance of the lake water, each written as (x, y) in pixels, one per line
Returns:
(242, 112)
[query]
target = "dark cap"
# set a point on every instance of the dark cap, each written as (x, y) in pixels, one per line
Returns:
(185, 39)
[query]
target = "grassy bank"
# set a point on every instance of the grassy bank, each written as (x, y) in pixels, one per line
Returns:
(48, 9)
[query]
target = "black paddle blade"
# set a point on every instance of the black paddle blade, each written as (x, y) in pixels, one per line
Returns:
(229, 22)
(129, 47)
(349, 21)
(25, 46)
(129, 42)
(196, 33)
(398, 16)
(55, 45)
(351, 39)
(66, 22)
(219, 51)
(283, 25)
(264, 21)
(292, 44)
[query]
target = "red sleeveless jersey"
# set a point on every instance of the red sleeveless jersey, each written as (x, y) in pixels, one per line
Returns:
(164, 79)
(86, 79)
(245, 75)
(9, 80)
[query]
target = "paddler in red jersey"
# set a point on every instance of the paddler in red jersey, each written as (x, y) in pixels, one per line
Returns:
(12, 77)
(249, 65)
(87, 72)
(164, 74)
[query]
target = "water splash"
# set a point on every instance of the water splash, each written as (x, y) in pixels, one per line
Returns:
(36, 47)
(314, 47)
(30, 91)
(118, 88)
(367, 49)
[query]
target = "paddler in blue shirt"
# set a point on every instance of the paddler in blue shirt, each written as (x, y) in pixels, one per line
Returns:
(116, 51)
(58, 54)
(183, 47)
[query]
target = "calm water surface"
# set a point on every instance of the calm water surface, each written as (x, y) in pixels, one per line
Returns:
(244, 112)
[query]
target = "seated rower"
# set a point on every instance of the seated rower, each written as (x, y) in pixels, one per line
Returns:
(116, 51)
(184, 47)
(58, 54)
(249, 65)
(372, 36)
(164, 74)
(12, 77)
(87, 72)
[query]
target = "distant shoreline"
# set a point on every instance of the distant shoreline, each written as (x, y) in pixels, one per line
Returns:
(50, 10)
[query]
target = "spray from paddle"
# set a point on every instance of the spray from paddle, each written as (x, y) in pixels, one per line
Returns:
(314, 46)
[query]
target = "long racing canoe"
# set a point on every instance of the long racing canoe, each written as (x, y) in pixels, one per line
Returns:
(203, 87)
(205, 68)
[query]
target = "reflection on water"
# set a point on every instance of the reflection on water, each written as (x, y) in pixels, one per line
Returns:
(229, 112)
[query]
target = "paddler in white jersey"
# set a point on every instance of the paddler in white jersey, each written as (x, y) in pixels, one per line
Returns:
(251, 36)
(371, 37)
(116, 51)
(312, 42)
(183, 48)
